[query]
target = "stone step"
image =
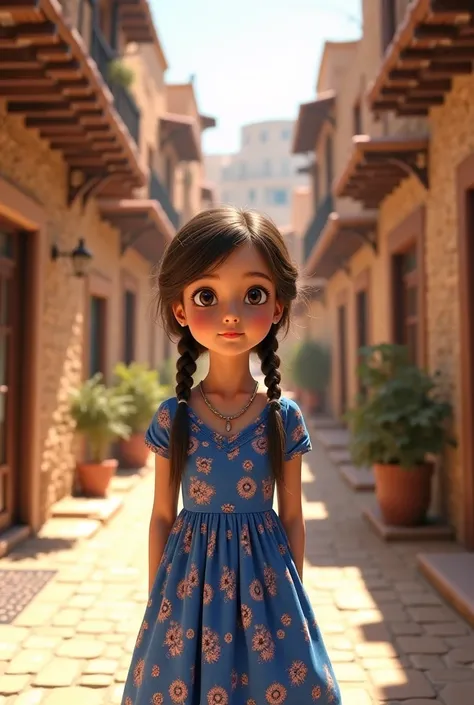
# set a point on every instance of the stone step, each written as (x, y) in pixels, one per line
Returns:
(433, 530)
(452, 574)
(333, 439)
(100, 509)
(358, 479)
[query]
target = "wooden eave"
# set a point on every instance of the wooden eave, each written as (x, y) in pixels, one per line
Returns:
(136, 22)
(434, 43)
(378, 165)
(341, 238)
(207, 121)
(183, 132)
(48, 77)
(208, 191)
(311, 118)
(143, 225)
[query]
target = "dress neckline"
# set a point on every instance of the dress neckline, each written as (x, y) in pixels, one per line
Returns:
(236, 438)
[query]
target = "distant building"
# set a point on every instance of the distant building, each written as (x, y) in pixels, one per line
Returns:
(262, 174)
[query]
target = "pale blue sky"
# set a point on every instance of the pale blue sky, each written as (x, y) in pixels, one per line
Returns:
(253, 63)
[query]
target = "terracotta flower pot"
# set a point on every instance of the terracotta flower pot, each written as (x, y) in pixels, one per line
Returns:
(133, 452)
(310, 401)
(94, 478)
(403, 495)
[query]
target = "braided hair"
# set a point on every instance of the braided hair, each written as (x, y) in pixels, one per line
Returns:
(185, 369)
(270, 362)
(201, 244)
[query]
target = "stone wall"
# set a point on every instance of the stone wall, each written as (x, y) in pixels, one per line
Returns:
(452, 140)
(28, 162)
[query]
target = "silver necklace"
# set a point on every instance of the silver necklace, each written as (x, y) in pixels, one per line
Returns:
(228, 419)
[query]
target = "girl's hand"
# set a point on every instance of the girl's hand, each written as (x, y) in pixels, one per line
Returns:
(290, 510)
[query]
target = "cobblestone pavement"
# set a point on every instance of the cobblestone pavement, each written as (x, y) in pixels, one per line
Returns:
(391, 638)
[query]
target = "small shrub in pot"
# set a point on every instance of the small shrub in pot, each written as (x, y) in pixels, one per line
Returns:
(398, 427)
(100, 417)
(141, 385)
(310, 369)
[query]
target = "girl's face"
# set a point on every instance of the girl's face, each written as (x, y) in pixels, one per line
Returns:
(231, 310)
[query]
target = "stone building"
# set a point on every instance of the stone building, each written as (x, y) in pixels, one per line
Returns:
(262, 173)
(85, 162)
(394, 136)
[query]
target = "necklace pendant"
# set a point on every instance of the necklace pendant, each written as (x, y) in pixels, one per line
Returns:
(228, 425)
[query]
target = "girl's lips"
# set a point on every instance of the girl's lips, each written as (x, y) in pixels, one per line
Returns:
(230, 335)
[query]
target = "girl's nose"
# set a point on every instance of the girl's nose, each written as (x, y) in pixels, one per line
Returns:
(231, 317)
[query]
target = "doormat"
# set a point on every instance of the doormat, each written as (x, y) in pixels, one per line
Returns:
(18, 588)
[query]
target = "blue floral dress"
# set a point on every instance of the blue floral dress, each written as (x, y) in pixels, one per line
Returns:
(228, 621)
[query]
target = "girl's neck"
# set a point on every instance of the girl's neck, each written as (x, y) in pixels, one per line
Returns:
(228, 376)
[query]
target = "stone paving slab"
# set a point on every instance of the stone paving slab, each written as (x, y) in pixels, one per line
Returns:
(391, 637)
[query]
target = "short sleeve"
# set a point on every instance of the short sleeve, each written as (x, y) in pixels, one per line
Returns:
(298, 441)
(157, 436)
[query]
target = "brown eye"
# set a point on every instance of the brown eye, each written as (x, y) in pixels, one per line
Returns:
(204, 297)
(256, 296)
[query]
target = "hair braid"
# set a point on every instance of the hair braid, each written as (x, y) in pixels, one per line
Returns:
(270, 363)
(186, 367)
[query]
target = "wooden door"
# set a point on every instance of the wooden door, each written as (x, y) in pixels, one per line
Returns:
(9, 391)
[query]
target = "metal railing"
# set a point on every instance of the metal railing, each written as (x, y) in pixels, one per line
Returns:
(316, 227)
(160, 194)
(103, 54)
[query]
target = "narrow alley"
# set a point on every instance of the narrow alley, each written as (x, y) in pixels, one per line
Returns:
(391, 638)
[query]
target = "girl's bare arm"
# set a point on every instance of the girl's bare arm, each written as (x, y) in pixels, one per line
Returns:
(163, 515)
(290, 510)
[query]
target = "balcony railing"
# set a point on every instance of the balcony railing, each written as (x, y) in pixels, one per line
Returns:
(316, 227)
(160, 194)
(103, 54)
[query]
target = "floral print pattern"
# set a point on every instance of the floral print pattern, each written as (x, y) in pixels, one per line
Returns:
(227, 591)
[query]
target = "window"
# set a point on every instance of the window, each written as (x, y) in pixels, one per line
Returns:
(277, 197)
(97, 331)
(389, 22)
(264, 136)
(362, 322)
(286, 134)
(252, 195)
(169, 173)
(316, 188)
(329, 164)
(267, 167)
(406, 301)
(357, 119)
(129, 325)
(285, 167)
(342, 350)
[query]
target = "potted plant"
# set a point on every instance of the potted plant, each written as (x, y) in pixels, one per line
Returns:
(99, 414)
(398, 426)
(141, 385)
(120, 74)
(310, 369)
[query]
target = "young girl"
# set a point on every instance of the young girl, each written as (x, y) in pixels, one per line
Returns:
(228, 621)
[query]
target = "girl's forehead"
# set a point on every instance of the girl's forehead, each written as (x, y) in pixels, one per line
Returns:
(245, 258)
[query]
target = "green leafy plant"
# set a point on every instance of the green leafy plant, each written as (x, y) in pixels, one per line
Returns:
(141, 385)
(400, 421)
(100, 414)
(120, 74)
(310, 366)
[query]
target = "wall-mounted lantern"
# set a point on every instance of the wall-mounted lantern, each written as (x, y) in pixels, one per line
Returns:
(81, 257)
